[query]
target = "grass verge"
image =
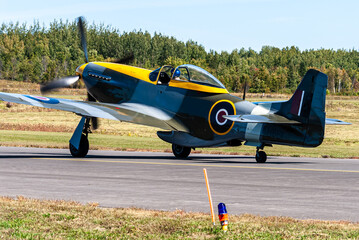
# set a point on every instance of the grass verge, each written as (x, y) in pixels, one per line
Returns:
(24, 218)
(99, 141)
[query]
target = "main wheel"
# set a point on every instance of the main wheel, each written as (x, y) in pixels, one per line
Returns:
(261, 157)
(180, 151)
(83, 148)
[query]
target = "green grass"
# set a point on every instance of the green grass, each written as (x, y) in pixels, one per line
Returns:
(23, 218)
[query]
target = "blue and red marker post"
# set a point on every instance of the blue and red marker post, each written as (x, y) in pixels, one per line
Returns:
(223, 216)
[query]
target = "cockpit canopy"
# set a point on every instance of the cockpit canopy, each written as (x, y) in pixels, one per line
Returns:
(187, 73)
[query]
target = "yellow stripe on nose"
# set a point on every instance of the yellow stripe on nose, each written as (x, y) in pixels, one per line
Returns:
(80, 69)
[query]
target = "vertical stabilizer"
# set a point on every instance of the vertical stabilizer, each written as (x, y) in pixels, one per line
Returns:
(307, 106)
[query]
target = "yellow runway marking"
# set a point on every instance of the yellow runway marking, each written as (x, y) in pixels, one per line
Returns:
(197, 165)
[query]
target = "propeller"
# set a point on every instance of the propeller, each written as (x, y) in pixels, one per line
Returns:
(245, 90)
(82, 33)
(68, 81)
(125, 60)
(60, 83)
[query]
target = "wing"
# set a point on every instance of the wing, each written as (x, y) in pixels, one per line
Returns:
(129, 112)
(268, 118)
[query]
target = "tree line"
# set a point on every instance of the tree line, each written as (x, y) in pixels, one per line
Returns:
(40, 54)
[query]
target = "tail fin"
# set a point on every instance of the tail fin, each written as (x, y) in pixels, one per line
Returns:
(307, 106)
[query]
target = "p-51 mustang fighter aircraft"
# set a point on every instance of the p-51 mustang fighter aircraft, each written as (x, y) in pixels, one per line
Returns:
(192, 107)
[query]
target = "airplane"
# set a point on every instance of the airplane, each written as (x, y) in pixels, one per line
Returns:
(192, 108)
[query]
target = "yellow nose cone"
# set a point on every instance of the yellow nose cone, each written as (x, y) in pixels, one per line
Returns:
(80, 69)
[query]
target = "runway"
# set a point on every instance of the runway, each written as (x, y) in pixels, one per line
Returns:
(304, 188)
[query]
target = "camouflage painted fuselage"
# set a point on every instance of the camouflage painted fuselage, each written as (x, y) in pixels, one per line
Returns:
(192, 113)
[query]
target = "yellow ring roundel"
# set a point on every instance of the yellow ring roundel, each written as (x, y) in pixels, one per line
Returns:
(217, 122)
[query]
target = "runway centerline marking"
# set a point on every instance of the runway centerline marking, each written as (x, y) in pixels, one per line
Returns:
(196, 165)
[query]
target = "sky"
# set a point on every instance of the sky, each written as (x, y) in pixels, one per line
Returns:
(220, 25)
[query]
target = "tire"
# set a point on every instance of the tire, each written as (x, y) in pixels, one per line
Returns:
(83, 148)
(261, 157)
(180, 151)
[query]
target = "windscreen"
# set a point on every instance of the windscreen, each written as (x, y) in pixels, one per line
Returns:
(200, 75)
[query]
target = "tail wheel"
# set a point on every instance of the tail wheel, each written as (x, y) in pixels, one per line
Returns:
(180, 151)
(83, 148)
(261, 157)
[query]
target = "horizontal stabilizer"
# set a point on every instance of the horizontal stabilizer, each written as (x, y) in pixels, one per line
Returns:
(269, 118)
(330, 121)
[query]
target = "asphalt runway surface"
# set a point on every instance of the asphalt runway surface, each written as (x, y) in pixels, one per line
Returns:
(303, 188)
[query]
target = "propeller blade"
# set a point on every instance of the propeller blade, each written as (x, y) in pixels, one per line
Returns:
(125, 60)
(94, 120)
(82, 32)
(245, 90)
(90, 98)
(60, 83)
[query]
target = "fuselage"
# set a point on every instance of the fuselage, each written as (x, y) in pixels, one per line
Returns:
(192, 113)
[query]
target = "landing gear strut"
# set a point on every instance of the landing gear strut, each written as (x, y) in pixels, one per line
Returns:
(79, 144)
(180, 151)
(261, 156)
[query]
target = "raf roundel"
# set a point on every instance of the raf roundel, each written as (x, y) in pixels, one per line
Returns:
(44, 99)
(216, 120)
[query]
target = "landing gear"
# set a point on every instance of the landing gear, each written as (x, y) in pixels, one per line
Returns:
(83, 148)
(261, 156)
(180, 151)
(79, 143)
